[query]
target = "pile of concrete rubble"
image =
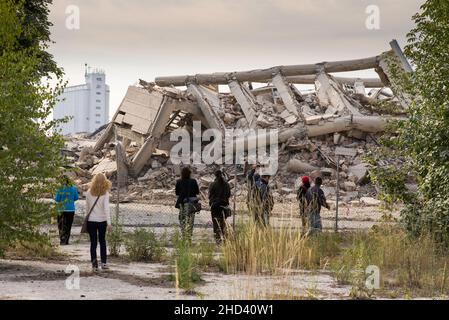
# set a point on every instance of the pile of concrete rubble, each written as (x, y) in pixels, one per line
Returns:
(341, 112)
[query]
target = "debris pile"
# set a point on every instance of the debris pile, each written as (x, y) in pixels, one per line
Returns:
(340, 112)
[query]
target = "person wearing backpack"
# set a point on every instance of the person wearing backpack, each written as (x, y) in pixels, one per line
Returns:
(98, 219)
(252, 178)
(219, 194)
(315, 200)
(66, 197)
(301, 196)
(187, 202)
(265, 201)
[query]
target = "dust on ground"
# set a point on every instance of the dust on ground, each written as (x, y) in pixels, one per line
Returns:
(39, 279)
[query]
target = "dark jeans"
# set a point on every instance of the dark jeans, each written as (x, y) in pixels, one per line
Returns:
(65, 221)
(218, 222)
(97, 233)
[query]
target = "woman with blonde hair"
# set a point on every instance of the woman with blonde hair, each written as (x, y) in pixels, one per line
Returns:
(99, 219)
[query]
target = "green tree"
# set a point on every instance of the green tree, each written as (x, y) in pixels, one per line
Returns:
(417, 150)
(36, 33)
(30, 152)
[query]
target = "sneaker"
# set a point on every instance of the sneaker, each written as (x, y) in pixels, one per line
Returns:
(95, 266)
(104, 266)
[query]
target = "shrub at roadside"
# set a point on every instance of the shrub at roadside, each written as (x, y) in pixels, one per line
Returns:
(143, 245)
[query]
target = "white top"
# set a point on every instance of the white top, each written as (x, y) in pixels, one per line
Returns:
(101, 211)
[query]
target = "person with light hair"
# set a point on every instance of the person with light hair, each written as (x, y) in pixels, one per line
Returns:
(99, 219)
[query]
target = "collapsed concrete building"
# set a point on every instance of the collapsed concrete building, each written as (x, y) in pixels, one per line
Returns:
(338, 112)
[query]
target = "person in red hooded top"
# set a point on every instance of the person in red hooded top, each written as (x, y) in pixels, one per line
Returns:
(301, 196)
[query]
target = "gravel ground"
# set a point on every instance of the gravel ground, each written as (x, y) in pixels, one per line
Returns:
(29, 279)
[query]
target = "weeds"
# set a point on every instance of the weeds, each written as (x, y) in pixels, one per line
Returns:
(143, 245)
(186, 263)
(254, 250)
(412, 264)
(27, 249)
(116, 238)
(408, 265)
(205, 255)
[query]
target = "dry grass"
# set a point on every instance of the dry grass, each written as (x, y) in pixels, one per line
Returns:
(258, 250)
(36, 250)
(408, 266)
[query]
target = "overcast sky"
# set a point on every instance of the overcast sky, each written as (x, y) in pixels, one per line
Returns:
(132, 39)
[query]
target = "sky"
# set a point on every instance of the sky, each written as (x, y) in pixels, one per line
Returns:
(143, 39)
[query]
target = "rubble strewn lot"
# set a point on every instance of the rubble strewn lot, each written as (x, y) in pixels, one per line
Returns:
(133, 149)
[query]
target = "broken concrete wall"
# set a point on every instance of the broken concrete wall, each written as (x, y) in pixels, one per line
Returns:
(311, 124)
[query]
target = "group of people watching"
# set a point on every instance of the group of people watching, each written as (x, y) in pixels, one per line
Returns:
(188, 192)
(98, 218)
(259, 201)
(311, 199)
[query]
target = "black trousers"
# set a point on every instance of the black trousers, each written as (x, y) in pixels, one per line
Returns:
(218, 222)
(97, 233)
(65, 221)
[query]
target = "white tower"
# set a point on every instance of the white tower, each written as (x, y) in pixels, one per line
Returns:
(87, 104)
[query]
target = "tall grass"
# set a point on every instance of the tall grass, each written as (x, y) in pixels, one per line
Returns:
(187, 271)
(254, 249)
(407, 265)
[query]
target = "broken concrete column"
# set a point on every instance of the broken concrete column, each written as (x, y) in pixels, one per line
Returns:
(246, 101)
(122, 165)
(263, 75)
(298, 166)
(286, 94)
(330, 94)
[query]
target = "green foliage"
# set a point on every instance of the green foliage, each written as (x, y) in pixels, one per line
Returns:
(186, 264)
(418, 148)
(30, 156)
(116, 238)
(35, 34)
(143, 245)
(205, 252)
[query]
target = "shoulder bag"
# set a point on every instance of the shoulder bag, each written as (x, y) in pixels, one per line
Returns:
(86, 219)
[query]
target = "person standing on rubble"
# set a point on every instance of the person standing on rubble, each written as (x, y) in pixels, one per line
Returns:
(66, 196)
(264, 204)
(187, 191)
(301, 196)
(219, 194)
(315, 200)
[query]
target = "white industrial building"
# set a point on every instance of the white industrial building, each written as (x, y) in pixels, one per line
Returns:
(86, 104)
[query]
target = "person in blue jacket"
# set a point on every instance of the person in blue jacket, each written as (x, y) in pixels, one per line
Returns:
(66, 195)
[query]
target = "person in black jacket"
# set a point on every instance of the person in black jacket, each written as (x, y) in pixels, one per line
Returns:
(301, 196)
(252, 179)
(187, 191)
(315, 200)
(265, 202)
(219, 194)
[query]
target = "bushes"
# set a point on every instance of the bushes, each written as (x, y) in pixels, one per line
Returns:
(416, 150)
(116, 238)
(143, 245)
